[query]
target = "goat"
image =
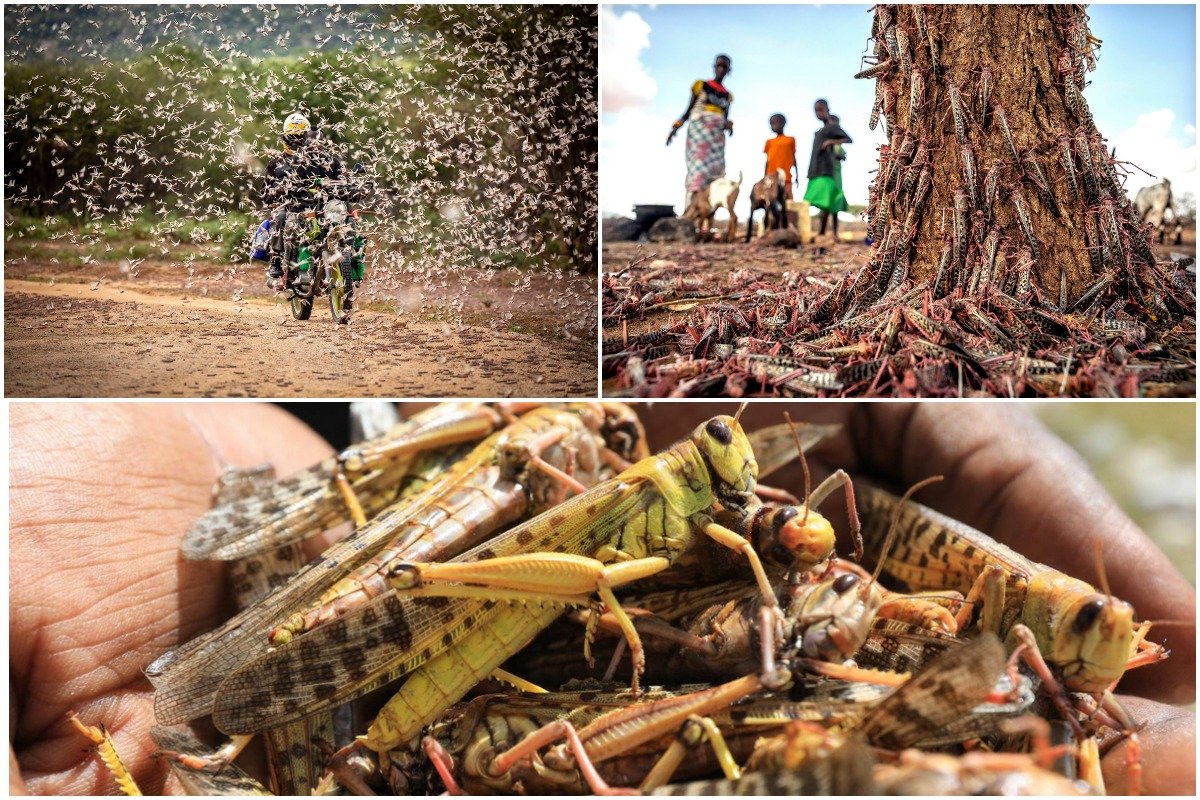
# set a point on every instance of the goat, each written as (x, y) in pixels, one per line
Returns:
(721, 193)
(769, 195)
(1152, 204)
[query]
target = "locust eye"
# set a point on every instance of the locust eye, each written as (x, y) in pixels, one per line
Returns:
(720, 431)
(782, 556)
(1087, 615)
(844, 583)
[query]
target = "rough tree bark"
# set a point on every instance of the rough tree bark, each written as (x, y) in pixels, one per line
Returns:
(996, 187)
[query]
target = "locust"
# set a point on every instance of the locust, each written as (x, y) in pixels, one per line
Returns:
(297, 753)
(631, 526)
(294, 752)
(489, 488)
(1088, 637)
(946, 694)
(322, 496)
(107, 751)
(825, 618)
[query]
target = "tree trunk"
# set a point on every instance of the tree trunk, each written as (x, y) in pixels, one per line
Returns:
(995, 190)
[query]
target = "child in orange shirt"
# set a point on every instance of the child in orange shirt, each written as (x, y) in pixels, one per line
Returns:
(781, 154)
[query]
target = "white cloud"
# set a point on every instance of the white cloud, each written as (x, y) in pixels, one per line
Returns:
(624, 77)
(635, 166)
(1150, 145)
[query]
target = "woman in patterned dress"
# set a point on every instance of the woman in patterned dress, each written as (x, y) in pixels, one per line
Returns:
(707, 118)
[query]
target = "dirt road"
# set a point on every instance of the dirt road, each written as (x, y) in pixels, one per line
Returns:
(112, 340)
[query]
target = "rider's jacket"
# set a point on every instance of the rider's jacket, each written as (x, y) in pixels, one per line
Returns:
(293, 174)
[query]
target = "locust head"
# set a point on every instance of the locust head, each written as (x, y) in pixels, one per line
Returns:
(730, 459)
(835, 617)
(1090, 639)
(1094, 647)
(792, 537)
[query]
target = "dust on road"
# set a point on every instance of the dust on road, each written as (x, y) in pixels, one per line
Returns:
(73, 340)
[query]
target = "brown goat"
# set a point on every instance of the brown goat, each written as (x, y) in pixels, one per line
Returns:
(769, 195)
(721, 193)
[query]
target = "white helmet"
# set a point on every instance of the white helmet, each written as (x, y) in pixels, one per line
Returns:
(295, 130)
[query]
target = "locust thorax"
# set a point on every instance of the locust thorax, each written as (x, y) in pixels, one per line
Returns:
(833, 617)
(727, 453)
(789, 537)
(1087, 635)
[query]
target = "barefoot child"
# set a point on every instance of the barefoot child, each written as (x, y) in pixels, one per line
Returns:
(781, 154)
(824, 168)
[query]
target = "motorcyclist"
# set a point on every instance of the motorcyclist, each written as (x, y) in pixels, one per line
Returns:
(292, 177)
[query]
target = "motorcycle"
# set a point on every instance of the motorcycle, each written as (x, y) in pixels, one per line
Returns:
(320, 246)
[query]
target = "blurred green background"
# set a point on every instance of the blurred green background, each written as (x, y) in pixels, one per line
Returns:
(1145, 455)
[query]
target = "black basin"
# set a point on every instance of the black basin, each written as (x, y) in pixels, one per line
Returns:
(648, 215)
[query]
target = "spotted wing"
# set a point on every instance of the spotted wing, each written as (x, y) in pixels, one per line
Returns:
(393, 635)
(185, 679)
(933, 551)
(948, 689)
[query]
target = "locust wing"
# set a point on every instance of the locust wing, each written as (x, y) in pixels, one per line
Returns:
(393, 634)
(186, 678)
(948, 689)
(308, 503)
(933, 551)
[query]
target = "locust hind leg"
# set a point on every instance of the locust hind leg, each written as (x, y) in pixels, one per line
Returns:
(695, 732)
(107, 751)
(536, 577)
(559, 729)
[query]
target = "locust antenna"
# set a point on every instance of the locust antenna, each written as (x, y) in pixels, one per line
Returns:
(803, 465)
(741, 408)
(891, 534)
(1101, 574)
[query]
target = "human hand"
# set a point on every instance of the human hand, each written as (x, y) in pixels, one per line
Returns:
(729, 127)
(1008, 476)
(101, 495)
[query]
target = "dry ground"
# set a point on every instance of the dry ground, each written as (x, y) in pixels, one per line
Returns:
(165, 329)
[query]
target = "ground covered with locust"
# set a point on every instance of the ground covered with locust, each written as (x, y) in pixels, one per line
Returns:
(712, 319)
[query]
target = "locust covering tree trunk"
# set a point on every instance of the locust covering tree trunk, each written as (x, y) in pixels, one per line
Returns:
(995, 193)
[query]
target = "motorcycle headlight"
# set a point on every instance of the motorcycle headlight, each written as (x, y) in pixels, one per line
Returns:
(335, 212)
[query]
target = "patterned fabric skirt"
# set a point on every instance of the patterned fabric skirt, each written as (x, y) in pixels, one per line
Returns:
(705, 152)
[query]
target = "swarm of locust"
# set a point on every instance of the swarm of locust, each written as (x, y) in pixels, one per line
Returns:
(694, 624)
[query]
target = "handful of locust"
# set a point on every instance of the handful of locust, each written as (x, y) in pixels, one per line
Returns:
(695, 625)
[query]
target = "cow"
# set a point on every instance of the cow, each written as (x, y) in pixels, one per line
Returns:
(1152, 203)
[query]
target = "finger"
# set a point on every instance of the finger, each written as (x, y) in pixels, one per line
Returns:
(63, 762)
(100, 498)
(1168, 750)
(16, 784)
(1012, 479)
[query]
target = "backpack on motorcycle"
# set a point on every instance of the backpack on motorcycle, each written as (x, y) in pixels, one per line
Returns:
(258, 247)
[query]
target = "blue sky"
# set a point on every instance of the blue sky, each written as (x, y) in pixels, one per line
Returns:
(786, 56)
